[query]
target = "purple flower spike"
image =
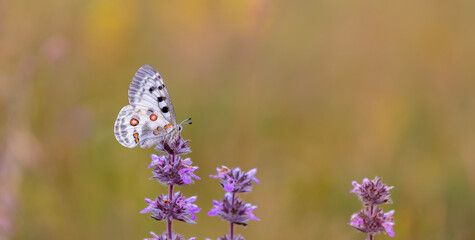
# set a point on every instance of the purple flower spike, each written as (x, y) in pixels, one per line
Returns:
(232, 208)
(175, 236)
(372, 192)
(372, 220)
(178, 208)
(235, 180)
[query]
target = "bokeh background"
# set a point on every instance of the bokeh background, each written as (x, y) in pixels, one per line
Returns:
(315, 94)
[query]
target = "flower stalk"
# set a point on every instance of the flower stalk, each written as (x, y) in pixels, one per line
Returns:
(169, 221)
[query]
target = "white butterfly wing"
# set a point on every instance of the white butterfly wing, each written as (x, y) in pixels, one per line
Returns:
(127, 127)
(147, 89)
(150, 115)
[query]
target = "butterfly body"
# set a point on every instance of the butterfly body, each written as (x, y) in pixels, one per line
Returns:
(150, 117)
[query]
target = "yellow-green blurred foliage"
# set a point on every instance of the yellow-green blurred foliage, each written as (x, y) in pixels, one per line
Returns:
(314, 94)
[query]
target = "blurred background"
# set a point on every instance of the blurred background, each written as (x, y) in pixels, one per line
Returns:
(314, 94)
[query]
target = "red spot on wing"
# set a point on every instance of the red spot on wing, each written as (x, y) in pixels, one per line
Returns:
(136, 136)
(153, 117)
(134, 122)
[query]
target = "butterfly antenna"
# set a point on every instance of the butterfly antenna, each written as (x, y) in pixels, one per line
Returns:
(186, 121)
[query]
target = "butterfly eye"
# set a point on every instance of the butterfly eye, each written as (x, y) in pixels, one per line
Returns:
(153, 117)
(134, 122)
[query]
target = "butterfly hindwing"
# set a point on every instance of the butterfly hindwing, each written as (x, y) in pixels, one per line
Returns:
(127, 124)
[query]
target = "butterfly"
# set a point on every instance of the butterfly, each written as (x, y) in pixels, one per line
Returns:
(150, 118)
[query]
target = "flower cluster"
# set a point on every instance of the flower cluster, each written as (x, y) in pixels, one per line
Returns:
(178, 208)
(176, 146)
(372, 192)
(232, 208)
(236, 180)
(175, 236)
(237, 212)
(372, 219)
(172, 169)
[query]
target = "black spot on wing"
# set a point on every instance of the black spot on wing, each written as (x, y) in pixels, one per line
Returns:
(165, 109)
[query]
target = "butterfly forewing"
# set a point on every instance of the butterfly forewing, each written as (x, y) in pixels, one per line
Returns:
(147, 89)
(150, 116)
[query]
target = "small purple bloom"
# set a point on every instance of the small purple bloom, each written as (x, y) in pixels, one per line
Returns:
(372, 192)
(373, 220)
(157, 160)
(218, 206)
(151, 205)
(177, 208)
(248, 211)
(235, 180)
(229, 186)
